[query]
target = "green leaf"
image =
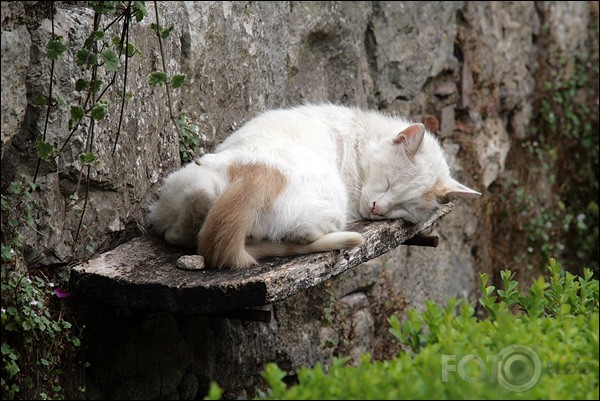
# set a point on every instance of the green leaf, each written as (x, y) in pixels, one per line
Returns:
(6, 349)
(80, 85)
(177, 80)
(95, 86)
(132, 50)
(26, 325)
(45, 150)
(139, 10)
(12, 369)
(55, 48)
(274, 377)
(394, 322)
(166, 32)
(88, 158)
(484, 279)
(85, 57)
(158, 77)
(7, 254)
(93, 37)
(99, 111)
(116, 41)
(76, 341)
(40, 100)
(214, 392)
(564, 309)
(29, 220)
(16, 187)
(76, 114)
(111, 60)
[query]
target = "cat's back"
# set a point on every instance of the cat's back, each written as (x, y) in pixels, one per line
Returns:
(307, 125)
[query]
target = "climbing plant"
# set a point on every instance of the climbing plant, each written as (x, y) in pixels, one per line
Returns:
(550, 204)
(38, 332)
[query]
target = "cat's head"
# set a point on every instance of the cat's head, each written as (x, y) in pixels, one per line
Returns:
(407, 177)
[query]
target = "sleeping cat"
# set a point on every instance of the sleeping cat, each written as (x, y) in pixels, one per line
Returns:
(287, 181)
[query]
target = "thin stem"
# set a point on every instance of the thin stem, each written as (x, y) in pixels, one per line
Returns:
(123, 95)
(90, 141)
(118, 18)
(87, 99)
(37, 168)
(87, 191)
(164, 65)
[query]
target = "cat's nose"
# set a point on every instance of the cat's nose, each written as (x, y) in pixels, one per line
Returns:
(376, 210)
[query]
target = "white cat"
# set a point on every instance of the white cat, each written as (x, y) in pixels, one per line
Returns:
(287, 182)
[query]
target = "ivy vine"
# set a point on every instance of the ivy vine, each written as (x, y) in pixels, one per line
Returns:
(112, 54)
(35, 330)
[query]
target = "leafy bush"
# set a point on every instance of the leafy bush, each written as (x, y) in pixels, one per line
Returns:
(36, 334)
(538, 344)
(35, 338)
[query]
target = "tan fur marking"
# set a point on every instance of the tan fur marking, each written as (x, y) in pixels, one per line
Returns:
(252, 189)
(433, 193)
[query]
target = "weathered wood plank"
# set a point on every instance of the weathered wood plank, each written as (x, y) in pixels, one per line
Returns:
(142, 273)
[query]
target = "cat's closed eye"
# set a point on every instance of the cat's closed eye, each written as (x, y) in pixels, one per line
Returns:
(385, 187)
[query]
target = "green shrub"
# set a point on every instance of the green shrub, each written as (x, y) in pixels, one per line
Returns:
(37, 335)
(538, 344)
(35, 338)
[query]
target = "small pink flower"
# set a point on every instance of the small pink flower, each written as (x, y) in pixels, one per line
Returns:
(59, 292)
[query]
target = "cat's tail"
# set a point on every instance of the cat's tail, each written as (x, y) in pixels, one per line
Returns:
(329, 242)
(252, 189)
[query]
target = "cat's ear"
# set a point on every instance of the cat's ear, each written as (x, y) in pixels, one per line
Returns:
(411, 138)
(455, 190)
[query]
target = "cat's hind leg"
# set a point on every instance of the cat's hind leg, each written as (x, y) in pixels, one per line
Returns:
(186, 197)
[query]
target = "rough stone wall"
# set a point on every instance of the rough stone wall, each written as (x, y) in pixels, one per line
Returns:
(467, 69)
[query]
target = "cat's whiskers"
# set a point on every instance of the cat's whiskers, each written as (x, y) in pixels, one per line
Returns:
(355, 186)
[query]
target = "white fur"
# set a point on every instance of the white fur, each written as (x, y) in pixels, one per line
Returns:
(339, 163)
